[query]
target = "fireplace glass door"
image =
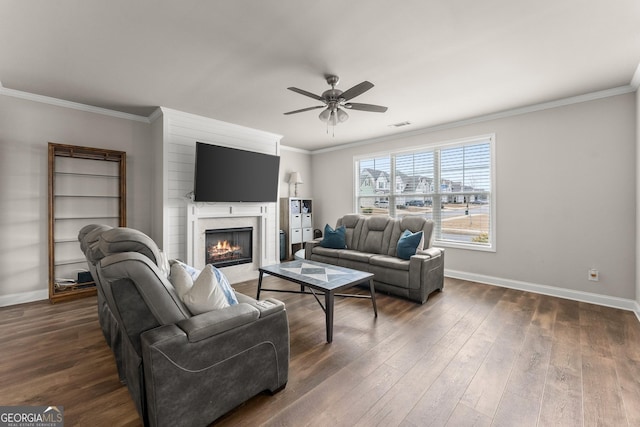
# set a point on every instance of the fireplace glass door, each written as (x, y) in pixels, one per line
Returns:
(229, 246)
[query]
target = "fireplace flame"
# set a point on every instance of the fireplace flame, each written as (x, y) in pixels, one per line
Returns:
(223, 249)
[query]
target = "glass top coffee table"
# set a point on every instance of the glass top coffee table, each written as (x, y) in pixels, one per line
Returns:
(317, 276)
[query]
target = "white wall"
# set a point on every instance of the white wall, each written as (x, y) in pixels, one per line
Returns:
(566, 197)
(180, 132)
(26, 127)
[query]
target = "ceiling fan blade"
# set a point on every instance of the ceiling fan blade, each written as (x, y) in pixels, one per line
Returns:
(305, 93)
(304, 109)
(356, 90)
(365, 107)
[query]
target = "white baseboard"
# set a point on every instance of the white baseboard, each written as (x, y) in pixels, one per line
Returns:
(604, 300)
(23, 297)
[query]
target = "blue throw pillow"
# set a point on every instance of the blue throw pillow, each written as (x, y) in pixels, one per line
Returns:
(334, 239)
(408, 244)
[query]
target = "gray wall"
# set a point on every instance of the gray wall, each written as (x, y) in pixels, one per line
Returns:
(26, 127)
(294, 160)
(566, 195)
(637, 260)
(566, 190)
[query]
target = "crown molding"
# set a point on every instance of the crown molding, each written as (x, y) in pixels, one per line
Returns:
(621, 90)
(69, 104)
(295, 150)
(157, 113)
(635, 80)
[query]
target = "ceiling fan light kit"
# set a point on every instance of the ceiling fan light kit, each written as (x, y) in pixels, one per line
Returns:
(335, 101)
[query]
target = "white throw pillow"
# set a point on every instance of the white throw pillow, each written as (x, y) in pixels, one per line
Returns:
(180, 279)
(205, 294)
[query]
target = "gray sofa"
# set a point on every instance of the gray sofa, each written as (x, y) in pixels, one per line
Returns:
(371, 246)
(181, 369)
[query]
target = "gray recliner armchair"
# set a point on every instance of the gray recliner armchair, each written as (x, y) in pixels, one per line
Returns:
(88, 238)
(182, 369)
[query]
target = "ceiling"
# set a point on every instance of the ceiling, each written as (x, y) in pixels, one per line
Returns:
(432, 61)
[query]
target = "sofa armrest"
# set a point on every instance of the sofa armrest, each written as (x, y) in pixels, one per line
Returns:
(430, 252)
(416, 261)
(267, 306)
(426, 273)
(308, 247)
(214, 322)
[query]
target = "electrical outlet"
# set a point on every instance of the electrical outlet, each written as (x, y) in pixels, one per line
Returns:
(594, 275)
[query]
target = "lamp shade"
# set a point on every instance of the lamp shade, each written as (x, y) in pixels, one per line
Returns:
(325, 114)
(295, 178)
(342, 115)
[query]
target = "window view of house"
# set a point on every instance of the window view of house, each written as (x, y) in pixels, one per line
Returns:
(449, 184)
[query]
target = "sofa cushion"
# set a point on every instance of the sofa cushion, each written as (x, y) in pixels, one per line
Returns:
(90, 234)
(355, 255)
(334, 239)
(389, 262)
(353, 225)
(375, 235)
(329, 252)
(123, 239)
(391, 276)
(408, 244)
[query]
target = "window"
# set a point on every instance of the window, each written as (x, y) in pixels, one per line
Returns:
(449, 183)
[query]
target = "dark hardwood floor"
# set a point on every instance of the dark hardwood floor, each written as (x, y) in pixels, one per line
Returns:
(472, 355)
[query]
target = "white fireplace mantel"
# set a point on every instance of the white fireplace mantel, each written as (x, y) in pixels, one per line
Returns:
(261, 216)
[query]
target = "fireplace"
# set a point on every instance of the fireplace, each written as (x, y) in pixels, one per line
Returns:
(228, 246)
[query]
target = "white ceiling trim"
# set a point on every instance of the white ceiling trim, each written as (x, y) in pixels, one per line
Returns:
(295, 150)
(635, 80)
(621, 90)
(73, 105)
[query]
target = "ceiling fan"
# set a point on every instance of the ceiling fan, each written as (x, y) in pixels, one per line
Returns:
(335, 101)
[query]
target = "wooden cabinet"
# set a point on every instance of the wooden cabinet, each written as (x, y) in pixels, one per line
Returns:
(296, 219)
(86, 186)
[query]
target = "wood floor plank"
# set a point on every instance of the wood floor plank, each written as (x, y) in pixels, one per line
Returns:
(625, 334)
(465, 416)
(562, 398)
(438, 403)
(487, 386)
(521, 401)
(440, 400)
(472, 355)
(603, 402)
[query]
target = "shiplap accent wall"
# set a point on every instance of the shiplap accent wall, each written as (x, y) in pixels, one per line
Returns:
(180, 132)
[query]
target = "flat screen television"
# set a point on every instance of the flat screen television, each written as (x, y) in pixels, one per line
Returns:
(230, 175)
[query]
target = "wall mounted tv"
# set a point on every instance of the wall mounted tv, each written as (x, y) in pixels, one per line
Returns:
(230, 175)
